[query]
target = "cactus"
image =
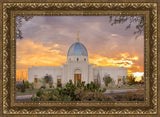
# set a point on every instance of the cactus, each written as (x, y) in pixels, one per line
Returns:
(72, 92)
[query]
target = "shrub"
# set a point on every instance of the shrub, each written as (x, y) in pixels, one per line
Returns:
(131, 80)
(79, 92)
(51, 86)
(124, 80)
(67, 98)
(34, 98)
(26, 84)
(92, 87)
(107, 80)
(43, 87)
(44, 96)
(131, 96)
(96, 96)
(18, 86)
(40, 92)
(103, 90)
(48, 79)
(59, 85)
(32, 85)
(72, 92)
(23, 88)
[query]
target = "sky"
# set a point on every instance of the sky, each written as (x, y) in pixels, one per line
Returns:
(46, 40)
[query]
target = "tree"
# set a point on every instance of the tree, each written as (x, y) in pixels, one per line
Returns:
(48, 79)
(98, 80)
(107, 79)
(19, 25)
(131, 19)
(131, 80)
(124, 80)
(23, 87)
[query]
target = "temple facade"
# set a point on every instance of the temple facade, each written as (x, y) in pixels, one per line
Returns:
(76, 68)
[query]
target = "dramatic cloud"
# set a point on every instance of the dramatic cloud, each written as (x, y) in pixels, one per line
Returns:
(47, 40)
(30, 53)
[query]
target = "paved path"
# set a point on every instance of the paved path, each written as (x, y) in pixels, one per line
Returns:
(120, 91)
(23, 97)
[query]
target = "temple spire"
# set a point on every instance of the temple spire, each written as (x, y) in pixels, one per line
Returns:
(78, 36)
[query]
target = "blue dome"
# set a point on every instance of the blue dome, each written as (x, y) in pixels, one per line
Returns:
(77, 49)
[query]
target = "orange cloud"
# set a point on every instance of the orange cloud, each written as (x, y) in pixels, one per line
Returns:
(31, 54)
(121, 60)
(36, 54)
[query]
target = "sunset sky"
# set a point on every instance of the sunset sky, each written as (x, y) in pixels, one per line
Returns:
(46, 40)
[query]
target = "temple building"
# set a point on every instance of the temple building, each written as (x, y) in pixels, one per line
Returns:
(76, 67)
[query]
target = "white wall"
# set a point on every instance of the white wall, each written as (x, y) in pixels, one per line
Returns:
(114, 72)
(66, 72)
(69, 70)
(41, 71)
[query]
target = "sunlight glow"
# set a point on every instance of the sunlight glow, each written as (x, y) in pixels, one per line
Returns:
(49, 56)
(138, 75)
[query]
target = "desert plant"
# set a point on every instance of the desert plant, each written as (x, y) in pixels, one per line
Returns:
(67, 98)
(131, 80)
(107, 80)
(72, 92)
(43, 87)
(96, 96)
(31, 85)
(59, 85)
(26, 84)
(103, 90)
(124, 80)
(40, 92)
(48, 79)
(50, 83)
(51, 86)
(78, 83)
(131, 96)
(18, 86)
(93, 87)
(23, 88)
(83, 84)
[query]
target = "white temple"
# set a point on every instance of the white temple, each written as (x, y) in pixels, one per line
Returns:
(77, 67)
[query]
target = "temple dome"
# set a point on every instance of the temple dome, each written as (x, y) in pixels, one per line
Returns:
(77, 49)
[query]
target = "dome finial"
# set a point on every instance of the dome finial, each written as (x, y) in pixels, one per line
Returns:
(78, 35)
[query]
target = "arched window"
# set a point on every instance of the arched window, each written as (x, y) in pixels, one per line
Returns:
(84, 59)
(77, 59)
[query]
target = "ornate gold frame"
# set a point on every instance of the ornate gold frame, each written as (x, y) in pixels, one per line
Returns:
(8, 46)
